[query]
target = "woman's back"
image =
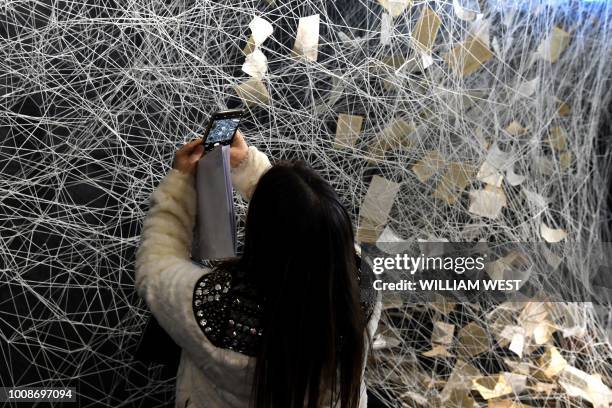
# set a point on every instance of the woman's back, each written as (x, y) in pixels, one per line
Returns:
(294, 292)
(228, 312)
(299, 257)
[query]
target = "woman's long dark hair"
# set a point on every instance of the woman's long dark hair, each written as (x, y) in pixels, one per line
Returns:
(299, 253)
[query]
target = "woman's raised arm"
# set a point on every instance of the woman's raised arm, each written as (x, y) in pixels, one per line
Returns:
(248, 165)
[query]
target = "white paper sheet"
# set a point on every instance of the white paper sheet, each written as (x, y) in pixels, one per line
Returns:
(395, 7)
(426, 29)
(553, 45)
(428, 166)
(253, 92)
(348, 128)
(489, 175)
(391, 243)
(386, 28)
(536, 199)
(487, 203)
(379, 200)
(514, 179)
(527, 88)
(466, 10)
(307, 37)
(260, 30)
(552, 235)
(255, 64)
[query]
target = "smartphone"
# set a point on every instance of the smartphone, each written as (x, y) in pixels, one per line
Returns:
(222, 128)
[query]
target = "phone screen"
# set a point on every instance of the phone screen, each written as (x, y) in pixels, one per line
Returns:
(222, 130)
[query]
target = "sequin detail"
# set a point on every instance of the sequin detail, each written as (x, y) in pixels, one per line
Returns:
(228, 314)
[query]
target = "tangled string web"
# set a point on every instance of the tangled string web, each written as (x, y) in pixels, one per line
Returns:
(466, 120)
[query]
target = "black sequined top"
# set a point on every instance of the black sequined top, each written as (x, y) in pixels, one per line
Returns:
(229, 312)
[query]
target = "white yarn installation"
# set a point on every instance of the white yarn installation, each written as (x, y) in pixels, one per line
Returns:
(466, 120)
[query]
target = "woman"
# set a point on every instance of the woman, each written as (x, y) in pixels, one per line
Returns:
(282, 326)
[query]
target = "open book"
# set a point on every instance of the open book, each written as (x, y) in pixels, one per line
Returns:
(215, 228)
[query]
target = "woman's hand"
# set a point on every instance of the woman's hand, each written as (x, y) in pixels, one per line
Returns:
(238, 149)
(186, 158)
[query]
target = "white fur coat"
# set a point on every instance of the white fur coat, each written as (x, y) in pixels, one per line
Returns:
(208, 376)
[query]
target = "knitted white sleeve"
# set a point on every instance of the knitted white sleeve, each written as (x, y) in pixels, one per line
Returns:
(166, 276)
(166, 235)
(246, 175)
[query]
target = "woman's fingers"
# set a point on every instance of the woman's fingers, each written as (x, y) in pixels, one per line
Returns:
(195, 142)
(238, 139)
(239, 149)
(188, 147)
(196, 154)
(187, 156)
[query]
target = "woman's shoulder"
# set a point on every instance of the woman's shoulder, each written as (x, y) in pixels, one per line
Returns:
(368, 294)
(226, 311)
